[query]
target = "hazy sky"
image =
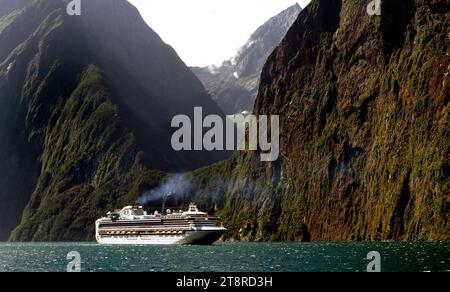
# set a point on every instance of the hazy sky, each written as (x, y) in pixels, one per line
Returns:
(205, 32)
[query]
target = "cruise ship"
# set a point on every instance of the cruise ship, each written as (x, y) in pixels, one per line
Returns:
(132, 225)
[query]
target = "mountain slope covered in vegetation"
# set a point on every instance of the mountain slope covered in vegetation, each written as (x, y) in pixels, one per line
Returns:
(365, 131)
(85, 109)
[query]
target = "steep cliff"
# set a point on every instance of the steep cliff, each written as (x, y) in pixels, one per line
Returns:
(365, 130)
(85, 109)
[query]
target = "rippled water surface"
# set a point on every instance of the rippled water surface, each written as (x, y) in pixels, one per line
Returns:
(226, 257)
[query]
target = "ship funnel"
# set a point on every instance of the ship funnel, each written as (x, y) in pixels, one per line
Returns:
(166, 196)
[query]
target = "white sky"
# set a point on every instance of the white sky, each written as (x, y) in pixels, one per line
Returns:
(205, 32)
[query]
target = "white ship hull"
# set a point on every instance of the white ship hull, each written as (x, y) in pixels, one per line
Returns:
(206, 236)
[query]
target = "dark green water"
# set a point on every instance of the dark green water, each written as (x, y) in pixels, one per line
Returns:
(227, 257)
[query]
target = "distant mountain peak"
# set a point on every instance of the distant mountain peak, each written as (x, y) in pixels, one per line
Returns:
(253, 55)
(234, 84)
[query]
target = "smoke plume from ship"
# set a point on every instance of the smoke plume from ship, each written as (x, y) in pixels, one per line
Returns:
(175, 185)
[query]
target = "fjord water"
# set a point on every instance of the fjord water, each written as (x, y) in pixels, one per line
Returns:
(227, 257)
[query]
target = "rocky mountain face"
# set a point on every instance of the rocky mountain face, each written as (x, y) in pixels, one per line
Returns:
(234, 84)
(85, 109)
(365, 130)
